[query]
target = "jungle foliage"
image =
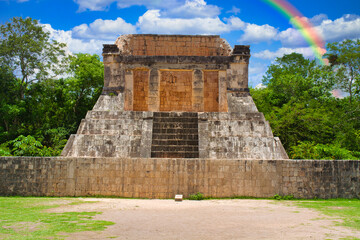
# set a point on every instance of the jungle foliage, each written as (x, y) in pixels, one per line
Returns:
(299, 103)
(44, 93)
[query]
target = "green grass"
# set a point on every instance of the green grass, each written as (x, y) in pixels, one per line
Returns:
(348, 210)
(26, 218)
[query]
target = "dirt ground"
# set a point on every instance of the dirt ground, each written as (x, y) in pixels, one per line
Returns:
(210, 219)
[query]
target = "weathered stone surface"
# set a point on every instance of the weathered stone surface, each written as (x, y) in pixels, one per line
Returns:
(165, 177)
(170, 45)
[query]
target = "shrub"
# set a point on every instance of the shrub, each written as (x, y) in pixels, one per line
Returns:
(286, 197)
(197, 196)
(310, 150)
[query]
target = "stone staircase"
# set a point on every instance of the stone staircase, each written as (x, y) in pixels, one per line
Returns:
(175, 135)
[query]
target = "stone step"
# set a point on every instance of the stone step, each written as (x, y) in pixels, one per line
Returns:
(175, 131)
(174, 125)
(175, 120)
(167, 142)
(175, 154)
(174, 148)
(176, 114)
(175, 137)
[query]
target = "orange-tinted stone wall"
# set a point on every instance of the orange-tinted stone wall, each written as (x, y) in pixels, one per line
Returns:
(141, 90)
(211, 91)
(173, 45)
(176, 91)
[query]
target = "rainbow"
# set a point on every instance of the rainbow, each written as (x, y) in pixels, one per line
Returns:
(302, 25)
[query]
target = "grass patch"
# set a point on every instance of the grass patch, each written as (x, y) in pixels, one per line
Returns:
(26, 218)
(348, 210)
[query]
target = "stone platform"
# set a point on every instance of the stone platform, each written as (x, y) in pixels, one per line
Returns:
(180, 96)
(165, 177)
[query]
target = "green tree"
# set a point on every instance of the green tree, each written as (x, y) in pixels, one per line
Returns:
(36, 100)
(292, 77)
(29, 146)
(344, 57)
(11, 108)
(28, 50)
(311, 150)
(298, 102)
(55, 107)
(86, 82)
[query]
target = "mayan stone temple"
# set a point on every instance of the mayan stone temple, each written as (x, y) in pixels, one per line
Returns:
(176, 118)
(175, 96)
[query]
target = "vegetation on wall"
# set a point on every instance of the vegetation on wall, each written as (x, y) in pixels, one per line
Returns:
(44, 94)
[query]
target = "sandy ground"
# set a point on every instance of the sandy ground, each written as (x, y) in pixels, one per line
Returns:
(210, 219)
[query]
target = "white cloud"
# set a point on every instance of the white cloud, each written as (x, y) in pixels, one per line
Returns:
(307, 52)
(338, 93)
(234, 10)
(103, 29)
(169, 8)
(93, 5)
(258, 33)
(291, 37)
(318, 19)
(101, 5)
(260, 86)
(256, 73)
(93, 46)
(346, 27)
(191, 9)
(235, 23)
(152, 22)
(149, 4)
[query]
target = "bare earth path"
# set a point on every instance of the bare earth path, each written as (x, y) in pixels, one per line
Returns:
(210, 219)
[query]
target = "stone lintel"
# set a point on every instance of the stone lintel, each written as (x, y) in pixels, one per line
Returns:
(150, 60)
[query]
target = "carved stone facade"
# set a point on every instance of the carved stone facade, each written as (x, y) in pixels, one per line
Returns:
(175, 96)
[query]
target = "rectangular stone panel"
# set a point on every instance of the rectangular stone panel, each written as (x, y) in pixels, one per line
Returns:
(141, 89)
(173, 45)
(211, 91)
(176, 91)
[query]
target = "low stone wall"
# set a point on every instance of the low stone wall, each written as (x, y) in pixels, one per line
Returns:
(163, 178)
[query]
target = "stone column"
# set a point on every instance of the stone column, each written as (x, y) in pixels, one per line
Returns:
(198, 91)
(129, 88)
(154, 90)
(238, 96)
(238, 72)
(222, 92)
(114, 77)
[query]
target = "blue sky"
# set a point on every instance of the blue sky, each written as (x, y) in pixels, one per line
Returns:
(87, 24)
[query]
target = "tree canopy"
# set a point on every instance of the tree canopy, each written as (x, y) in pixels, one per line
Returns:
(27, 49)
(44, 93)
(302, 111)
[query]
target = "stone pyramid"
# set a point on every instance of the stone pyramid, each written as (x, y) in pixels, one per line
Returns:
(175, 96)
